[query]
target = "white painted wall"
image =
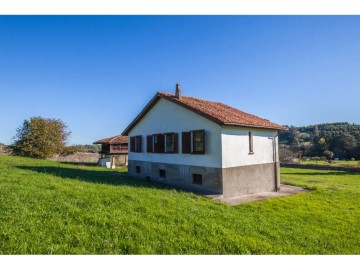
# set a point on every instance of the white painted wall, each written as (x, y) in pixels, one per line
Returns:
(235, 146)
(166, 117)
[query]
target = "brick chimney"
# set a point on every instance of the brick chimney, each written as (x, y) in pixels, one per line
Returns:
(178, 91)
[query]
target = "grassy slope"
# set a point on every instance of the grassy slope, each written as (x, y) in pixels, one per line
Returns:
(52, 208)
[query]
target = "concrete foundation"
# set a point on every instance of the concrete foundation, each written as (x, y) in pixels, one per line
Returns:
(285, 190)
(229, 182)
(250, 179)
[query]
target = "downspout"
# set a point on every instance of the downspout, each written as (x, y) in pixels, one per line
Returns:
(275, 163)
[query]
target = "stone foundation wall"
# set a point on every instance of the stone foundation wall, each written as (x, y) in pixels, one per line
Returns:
(227, 181)
(179, 175)
(78, 157)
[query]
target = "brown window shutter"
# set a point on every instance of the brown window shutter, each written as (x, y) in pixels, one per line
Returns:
(149, 143)
(203, 152)
(156, 143)
(132, 144)
(161, 143)
(176, 143)
(186, 142)
(139, 138)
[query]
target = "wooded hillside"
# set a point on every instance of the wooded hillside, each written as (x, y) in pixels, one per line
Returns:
(331, 140)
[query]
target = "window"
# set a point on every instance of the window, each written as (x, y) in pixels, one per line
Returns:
(251, 146)
(171, 143)
(197, 179)
(138, 140)
(193, 142)
(135, 144)
(162, 143)
(155, 143)
(162, 173)
(137, 169)
(198, 142)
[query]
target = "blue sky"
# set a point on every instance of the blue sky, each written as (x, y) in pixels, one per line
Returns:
(97, 72)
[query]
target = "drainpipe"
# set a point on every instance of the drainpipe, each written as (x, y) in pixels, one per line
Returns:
(275, 163)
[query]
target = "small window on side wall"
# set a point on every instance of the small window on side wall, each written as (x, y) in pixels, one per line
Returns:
(197, 179)
(162, 173)
(251, 144)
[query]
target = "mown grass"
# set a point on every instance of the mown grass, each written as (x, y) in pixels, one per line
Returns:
(52, 208)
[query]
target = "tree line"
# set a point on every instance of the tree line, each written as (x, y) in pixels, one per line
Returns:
(329, 140)
(44, 137)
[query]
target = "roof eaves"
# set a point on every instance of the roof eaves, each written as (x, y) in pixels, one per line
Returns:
(100, 142)
(255, 126)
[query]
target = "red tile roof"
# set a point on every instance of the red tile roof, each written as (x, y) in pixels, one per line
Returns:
(113, 140)
(214, 111)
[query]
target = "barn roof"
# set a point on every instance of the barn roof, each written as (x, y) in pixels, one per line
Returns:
(214, 111)
(113, 140)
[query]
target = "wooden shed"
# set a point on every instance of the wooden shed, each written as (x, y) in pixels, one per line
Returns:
(115, 148)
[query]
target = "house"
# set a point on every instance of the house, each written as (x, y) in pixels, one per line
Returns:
(113, 150)
(203, 145)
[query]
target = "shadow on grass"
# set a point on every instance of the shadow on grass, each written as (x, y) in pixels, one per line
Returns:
(87, 164)
(107, 177)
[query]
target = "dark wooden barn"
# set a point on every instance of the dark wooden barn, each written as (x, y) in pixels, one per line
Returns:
(115, 148)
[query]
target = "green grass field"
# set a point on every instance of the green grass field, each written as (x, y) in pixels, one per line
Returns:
(339, 163)
(52, 208)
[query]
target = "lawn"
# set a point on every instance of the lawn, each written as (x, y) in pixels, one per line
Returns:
(52, 208)
(338, 163)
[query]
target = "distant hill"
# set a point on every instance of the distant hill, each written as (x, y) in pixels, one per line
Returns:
(329, 140)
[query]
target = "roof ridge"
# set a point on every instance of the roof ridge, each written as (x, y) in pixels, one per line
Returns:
(214, 111)
(217, 102)
(166, 93)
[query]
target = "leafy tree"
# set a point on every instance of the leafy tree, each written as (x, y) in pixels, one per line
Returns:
(286, 154)
(328, 154)
(41, 138)
(340, 140)
(294, 137)
(344, 145)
